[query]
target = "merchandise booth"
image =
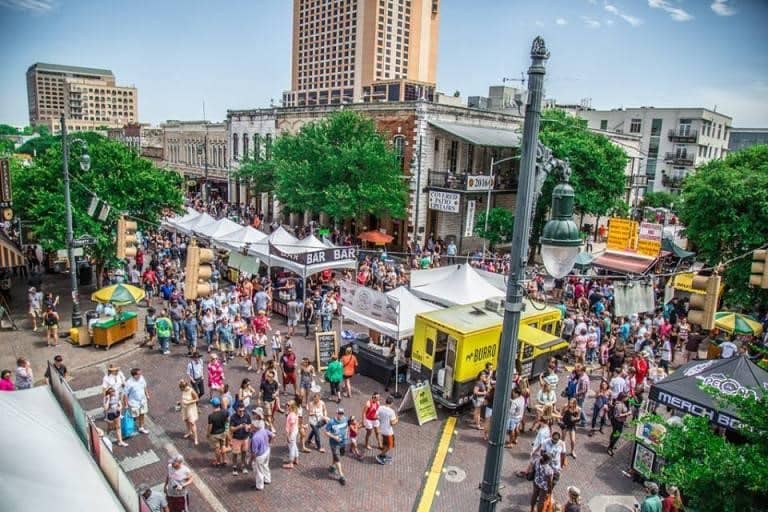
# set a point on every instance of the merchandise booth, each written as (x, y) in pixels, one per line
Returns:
(390, 318)
(683, 391)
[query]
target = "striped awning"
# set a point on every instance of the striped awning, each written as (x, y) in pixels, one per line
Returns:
(10, 254)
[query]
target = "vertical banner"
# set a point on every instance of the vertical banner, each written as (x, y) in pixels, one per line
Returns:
(469, 222)
(6, 194)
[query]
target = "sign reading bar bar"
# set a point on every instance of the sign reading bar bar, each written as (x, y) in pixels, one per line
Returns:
(444, 201)
(315, 257)
(369, 302)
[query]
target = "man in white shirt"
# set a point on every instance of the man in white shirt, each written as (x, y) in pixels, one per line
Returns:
(728, 349)
(387, 419)
(515, 417)
(137, 398)
(617, 384)
(555, 447)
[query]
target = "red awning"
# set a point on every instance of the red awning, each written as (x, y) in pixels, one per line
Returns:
(624, 262)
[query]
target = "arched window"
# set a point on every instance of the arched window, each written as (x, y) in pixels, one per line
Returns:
(398, 144)
(245, 145)
(257, 146)
(235, 139)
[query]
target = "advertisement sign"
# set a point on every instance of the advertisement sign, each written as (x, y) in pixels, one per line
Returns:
(369, 302)
(621, 234)
(444, 201)
(479, 183)
(469, 222)
(326, 344)
(651, 231)
(6, 195)
(419, 396)
(315, 257)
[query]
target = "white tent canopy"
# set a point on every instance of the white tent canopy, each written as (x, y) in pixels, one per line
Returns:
(219, 229)
(196, 223)
(173, 222)
(235, 240)
(53, 470)
(462, 286)
(409, 307)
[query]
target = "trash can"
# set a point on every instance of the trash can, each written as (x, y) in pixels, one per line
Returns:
(85, 274)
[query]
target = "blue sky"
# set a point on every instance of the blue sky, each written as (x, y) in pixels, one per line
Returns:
(236, 54)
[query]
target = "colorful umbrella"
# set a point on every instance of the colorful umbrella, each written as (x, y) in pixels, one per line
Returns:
(375, 237)
(736, 323)
(118, 294)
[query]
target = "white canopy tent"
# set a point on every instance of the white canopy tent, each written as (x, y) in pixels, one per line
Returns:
(47, 466)
(408, 307)
(218, 230)
(173, 222)
(464, 285)
(245, 235)
(196, 223)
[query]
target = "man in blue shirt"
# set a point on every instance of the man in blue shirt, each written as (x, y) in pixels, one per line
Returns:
(225, 335)
(624, 330)
(336, 431)
(190, 331)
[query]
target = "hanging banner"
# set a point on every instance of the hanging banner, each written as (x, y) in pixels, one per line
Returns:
(444, 201)
(469, 222)
(6, 194)
(369, 302)
(315, 257)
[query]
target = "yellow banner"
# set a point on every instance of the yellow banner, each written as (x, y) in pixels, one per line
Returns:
(622, 234)
(649, 248)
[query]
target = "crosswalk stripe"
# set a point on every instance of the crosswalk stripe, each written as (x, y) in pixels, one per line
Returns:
(141, 459)
(82, 394)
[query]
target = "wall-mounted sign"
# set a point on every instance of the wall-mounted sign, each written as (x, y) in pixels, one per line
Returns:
(475, 183)
(444, 201)
(469, 222)
(651, 231)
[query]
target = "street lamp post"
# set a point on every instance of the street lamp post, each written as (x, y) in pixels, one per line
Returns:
(562, 233)
(417, 192)
(85, 163)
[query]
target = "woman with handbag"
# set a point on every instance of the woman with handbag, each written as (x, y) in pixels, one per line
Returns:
(112, 411)
(317, 414)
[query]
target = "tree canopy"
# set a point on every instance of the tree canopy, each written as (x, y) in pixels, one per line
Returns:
(259, 174)
(659, 199)
(725, 210)
(500, 224)
(340, 166)
(128, 183)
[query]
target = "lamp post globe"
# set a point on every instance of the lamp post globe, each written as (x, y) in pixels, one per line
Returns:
(560, 240)
(85, 162)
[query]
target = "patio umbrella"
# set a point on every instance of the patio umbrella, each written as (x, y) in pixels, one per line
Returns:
(375, 237)
(118, 294)
(736, 323)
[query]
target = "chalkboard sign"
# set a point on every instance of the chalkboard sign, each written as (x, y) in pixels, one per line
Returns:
(326, 345)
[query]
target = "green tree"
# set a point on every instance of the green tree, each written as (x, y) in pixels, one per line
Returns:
(597, 168)
(500, 223)
(716, 475)
(128, 183)
(258, 173)
(658, 200)
(6, 146)
(39, 145)
(6, 129)
(725, 210)
(340, 166)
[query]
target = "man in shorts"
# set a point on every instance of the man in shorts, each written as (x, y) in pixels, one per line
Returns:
(371, 420)
(336, 431)
(240, 429)
(35, 306)
(136, 398)
(387, 419)
(268, 392)
(217, 431)
(225, 335)
(295, 308)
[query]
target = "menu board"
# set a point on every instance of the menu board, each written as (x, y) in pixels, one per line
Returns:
(326, 344)
(622, 234)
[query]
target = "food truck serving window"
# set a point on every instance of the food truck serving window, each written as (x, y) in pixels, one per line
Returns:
(430, 346)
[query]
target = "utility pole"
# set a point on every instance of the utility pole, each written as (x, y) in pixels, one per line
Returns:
(77, 319)
(417, 192)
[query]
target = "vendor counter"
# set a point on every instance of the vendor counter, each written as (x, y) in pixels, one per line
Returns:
(114, 330)
(374, 364)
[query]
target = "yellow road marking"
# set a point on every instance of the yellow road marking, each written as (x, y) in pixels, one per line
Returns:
(436, 470)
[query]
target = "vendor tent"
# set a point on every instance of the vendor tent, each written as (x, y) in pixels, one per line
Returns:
(432, 275)
(668, 245)
(281, 236)
(53, 470)
(682, 390)
(218, 230)
(175, 221)
(462, 286)
(408, 307)
(195, 224)
(245, 235)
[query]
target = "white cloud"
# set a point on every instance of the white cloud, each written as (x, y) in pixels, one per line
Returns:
(722, 8)
(676, 13)
(33, 6)
(561, 21)
(539, 23)
(632, 20)
(590, 22)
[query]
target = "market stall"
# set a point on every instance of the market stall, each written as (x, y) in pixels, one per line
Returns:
(110, 329)
(455, 285)
(195, 223)
(390, 318)
(173, 223)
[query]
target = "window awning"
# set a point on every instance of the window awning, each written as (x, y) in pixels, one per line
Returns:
(624, 262)
(480, 136)
(10, 254)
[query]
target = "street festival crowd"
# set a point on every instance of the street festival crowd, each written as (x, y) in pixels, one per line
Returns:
(232, 327)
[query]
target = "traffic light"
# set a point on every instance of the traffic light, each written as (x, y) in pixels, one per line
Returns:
(126, 238)
(703, 303)
(198, 272)
(759, 275)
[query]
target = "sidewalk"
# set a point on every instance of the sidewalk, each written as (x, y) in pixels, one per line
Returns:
(26, 343)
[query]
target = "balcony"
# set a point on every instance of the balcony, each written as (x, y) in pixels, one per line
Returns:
(465, 183)
(679, 159)
(672, 181)
(687, 136)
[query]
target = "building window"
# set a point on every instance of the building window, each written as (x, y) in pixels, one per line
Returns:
(235, 145)
(603, 124)
(453, 154)
(655, 127)
(398, 145)
(257, 146)
(245, 146)
(634, 126)
(268, 146)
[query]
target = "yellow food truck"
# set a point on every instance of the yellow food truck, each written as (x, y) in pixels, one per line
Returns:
(452, 346)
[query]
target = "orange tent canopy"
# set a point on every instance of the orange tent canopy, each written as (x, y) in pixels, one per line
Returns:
(375, 237)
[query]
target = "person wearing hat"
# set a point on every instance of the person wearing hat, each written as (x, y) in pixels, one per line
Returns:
(114, 379)
(217, 431)
(51, 321)
(154, 500)
(260, 450)
(336, 431)
(652, 501)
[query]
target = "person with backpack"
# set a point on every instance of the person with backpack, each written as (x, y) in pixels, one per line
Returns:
(51, 321)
